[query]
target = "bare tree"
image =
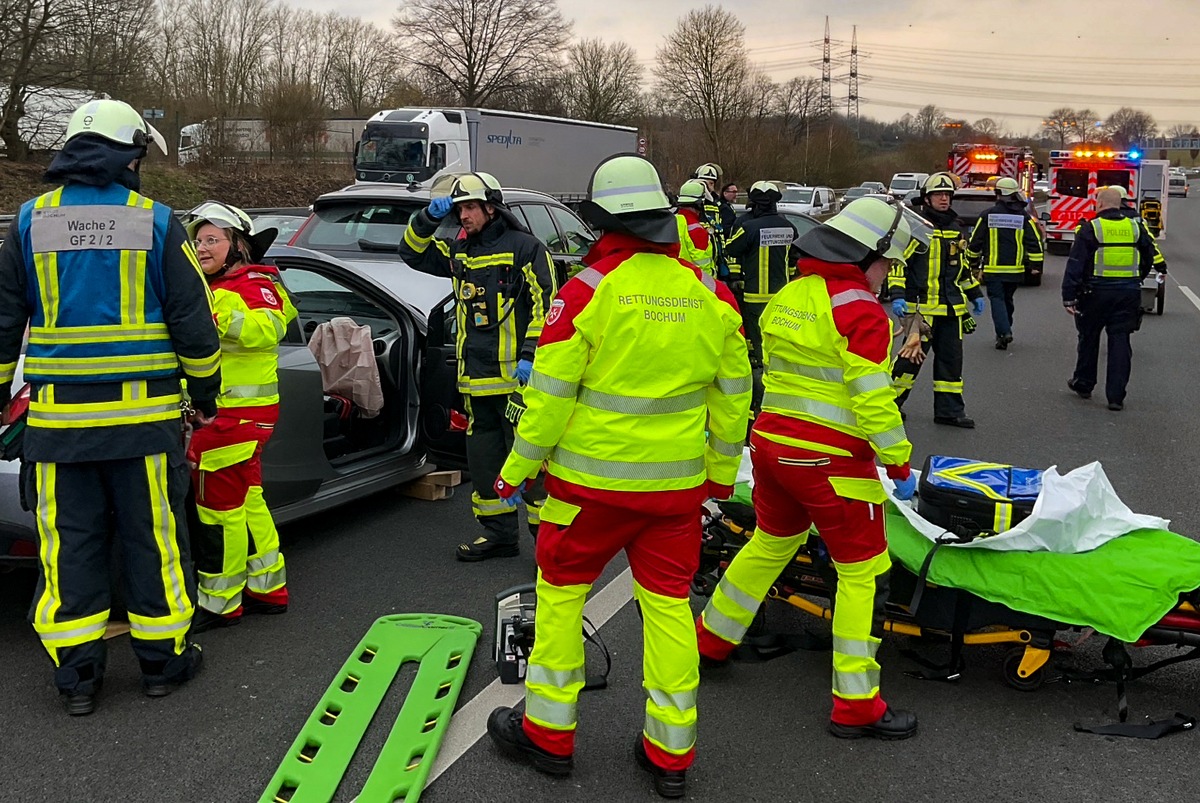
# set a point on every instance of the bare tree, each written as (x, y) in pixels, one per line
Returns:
(1183, 131)
(928, 122)
(364, 65)
(602, 81)
(702, 67)
(988, 129)
(799, 103)
(24, 27)
(1088, 124)
(1062, 124)
(482, 48)
(1127, 126)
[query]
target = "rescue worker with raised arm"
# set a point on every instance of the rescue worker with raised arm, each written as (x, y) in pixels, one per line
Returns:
(761, 245)
(1005, 243)
(638, 405)
(937, 284)
(1110, 258)
(117, 312)
(503, 282)
(695, 242)
(828, 412)
(237, 546)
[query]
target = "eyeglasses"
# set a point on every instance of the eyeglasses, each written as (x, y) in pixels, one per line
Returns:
(209, 242)
(731, 191)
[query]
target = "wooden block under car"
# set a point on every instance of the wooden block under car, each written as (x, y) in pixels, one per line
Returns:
(427, 490)
(447, 478)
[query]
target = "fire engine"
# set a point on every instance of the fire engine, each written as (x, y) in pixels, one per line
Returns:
(975, 164)
(1076, 174)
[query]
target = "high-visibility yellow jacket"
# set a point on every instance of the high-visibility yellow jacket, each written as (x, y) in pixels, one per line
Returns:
(827, 341)
(640, 357)
(252, 311)
(695, 244)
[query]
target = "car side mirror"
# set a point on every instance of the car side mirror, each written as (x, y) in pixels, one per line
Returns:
(1045, 216)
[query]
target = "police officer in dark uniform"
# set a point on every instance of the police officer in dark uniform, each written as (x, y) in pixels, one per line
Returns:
(1111, 256)
(940, 286)
(761, 245)
(117, 311)
(504, 282)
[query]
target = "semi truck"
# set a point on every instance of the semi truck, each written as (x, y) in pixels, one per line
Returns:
(551, 154)
(254, 139)
(1076, 175)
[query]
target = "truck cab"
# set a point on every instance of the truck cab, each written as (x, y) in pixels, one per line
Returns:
(411, 146)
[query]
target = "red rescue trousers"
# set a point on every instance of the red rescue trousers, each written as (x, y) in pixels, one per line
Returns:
(583, 529)
(795, 488)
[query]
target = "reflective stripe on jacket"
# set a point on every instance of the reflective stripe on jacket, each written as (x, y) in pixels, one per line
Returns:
(936, 282)
(252, 310)
(503, 283)
(641, 355)
(827, 342)
(1005, 240)
(763, 247)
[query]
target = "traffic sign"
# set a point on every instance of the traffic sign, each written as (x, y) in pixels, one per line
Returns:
(641, 146)
(152, 114)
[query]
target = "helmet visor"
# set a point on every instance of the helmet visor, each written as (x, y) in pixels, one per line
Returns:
(157, 139)
(920, 231)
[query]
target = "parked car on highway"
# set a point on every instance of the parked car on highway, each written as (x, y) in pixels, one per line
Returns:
(856, 192)
(808, 200)
(904, 183)
(344, 264)
(1177, 185)
(874, 186)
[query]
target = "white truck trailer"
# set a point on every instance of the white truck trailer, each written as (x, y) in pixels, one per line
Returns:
(252, 139)
(550, 154)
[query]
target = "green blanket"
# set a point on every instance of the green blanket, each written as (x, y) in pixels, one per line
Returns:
(1120, 589)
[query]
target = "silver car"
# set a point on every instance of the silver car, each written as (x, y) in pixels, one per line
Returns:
(343, 262)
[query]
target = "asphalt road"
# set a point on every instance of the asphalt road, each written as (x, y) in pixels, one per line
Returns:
(762, 731)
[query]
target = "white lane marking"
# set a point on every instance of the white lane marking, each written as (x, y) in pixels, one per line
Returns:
(470, 722)
(1192, 297)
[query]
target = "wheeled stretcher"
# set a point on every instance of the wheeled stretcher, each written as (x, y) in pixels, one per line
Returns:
(1139, 589)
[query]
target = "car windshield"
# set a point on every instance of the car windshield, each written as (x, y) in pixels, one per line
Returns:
(903, 184)
(287, 225)
(972, 206)
(371, 226)
(803, 196)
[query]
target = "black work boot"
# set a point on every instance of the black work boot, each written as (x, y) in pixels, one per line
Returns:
(668, 783)
(506, 726)
(204, 620)
(484, 547)
(78, 689)
(1001, 343)
(892, 726)
(159, 681)
(961, 421)
(1080, 392)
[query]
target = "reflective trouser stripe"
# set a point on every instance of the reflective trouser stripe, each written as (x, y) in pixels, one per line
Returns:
(489, 507)
(745, 584)
(855, 670)
(670, 670)
(71, 632)
(166, 538)
(266, 570)
(221, 593)
(556, 666)
(947, 387)
(49, 549)
(171, 626)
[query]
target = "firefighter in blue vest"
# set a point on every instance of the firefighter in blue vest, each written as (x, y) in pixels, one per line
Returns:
(118, 313)
(1111, 256)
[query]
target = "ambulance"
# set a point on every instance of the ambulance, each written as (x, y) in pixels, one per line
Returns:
(1075, 175)
(975, 164)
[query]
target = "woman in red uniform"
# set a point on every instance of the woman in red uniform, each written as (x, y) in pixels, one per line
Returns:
(236, 544)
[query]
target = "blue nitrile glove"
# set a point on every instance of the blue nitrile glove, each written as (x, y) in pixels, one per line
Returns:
(977, 307)
(509, 494)
(439, 207)
(899, 307)
(906, 487)
(524, 370)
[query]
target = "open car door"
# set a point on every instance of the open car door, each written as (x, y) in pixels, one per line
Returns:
(443, 420)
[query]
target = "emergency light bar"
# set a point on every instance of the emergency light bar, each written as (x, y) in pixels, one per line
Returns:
(1099, 155)
(985, 157)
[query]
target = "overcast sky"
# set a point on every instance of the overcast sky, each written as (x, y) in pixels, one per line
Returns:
(1014, 60)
